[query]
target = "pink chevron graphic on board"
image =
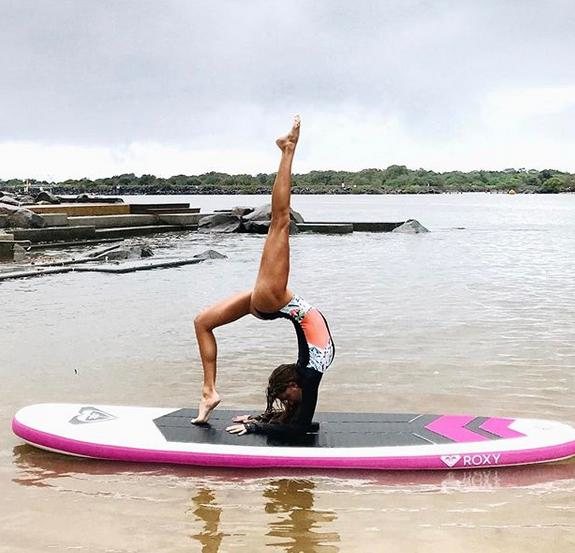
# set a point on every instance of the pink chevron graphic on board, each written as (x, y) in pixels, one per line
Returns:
(453, 427)
(500, 427)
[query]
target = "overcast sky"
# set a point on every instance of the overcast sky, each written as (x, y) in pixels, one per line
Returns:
(96, 88)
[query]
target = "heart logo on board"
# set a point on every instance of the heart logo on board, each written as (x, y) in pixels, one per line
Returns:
(89, 415)
(450, 460)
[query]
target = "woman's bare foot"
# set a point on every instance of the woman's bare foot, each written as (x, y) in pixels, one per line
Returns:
(208, 403)
(288, 142)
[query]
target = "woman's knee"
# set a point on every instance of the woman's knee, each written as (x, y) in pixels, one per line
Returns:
(202, 321)
(281, 218)
(280, 227)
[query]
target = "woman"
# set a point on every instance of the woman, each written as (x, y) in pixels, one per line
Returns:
(292, 388)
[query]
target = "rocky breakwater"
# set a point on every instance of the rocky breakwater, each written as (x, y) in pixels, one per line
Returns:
(257, 221)
(14, 214)
(245, 219)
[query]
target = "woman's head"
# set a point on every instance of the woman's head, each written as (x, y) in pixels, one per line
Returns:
(283, 393)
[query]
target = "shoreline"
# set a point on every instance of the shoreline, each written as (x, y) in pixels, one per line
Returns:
(395, 179)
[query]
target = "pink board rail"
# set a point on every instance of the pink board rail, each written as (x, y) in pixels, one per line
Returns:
(463, 460)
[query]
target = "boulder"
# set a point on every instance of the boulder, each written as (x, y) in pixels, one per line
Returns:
(20, 254)
(45, 196)
(87, 198)
(26, 200)
(411, 226)
(128, 252)
(209, 254)
(242, 211)
(221, 222)
(262, 227)
(10, 200)
(20, 217)
(264, 213)
(245, 219)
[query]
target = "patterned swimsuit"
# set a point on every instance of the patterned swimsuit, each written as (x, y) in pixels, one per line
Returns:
(315, 345)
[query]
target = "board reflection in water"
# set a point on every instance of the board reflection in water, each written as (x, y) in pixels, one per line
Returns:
(300, 525)
(295, 525)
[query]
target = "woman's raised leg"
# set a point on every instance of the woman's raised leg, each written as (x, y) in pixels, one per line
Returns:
(270, 291)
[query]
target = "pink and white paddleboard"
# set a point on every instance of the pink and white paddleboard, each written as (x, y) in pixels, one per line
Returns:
(343, 440)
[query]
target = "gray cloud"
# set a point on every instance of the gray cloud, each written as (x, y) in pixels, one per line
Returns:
(176, 71)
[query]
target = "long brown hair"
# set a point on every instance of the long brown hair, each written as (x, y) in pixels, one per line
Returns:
(276, 409)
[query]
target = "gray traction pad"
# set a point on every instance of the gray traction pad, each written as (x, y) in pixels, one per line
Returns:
(335, 430)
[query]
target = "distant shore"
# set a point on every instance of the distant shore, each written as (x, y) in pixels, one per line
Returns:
(396, 179)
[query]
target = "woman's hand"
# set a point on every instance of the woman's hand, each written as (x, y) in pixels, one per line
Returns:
(242, 418)
(239, 429)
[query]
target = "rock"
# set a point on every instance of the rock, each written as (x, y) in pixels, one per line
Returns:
(45, 196)
(10, 200)
(221, 222)
(129, 252)
(244, 219)
(256, 227)
(27, 200)
(146, 251)
(99, 251)
(262, 227)
(20, 253)
(411, 226)
(5, 194)
(24, 218)
(242, 211)
(264, 213)
(210, 254)
(20, 217)
(87, 198)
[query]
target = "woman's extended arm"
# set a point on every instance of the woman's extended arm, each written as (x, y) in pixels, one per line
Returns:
(301, 422)
(220, 314)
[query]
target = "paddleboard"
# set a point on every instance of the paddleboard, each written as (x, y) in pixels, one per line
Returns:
(343, 440)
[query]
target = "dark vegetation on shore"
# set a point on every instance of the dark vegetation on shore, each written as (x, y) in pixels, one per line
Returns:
(396, 179)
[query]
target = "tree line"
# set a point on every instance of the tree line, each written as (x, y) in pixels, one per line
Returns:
(396, 179)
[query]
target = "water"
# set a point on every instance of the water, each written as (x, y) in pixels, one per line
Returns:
(476, 317)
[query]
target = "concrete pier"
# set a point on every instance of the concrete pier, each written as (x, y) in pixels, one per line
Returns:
(54, 234)
(82, 209)
(326, 228)
(180, 219)
(163, 208)
(124, 232)
(365, 226)
(114, 221)
(6, 247)
(55, 219)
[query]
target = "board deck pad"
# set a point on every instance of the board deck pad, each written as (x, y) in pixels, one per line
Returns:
(343, 440)
(339, 430)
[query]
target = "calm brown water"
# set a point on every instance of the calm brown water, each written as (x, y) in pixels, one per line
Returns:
(476, 317)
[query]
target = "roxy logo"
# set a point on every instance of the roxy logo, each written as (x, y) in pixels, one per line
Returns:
(450, 460)
(481, 459)
(91, 414)
(476, 460)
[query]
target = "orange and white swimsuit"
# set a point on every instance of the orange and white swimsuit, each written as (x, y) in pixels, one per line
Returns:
(315, 354)
(315, 345)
